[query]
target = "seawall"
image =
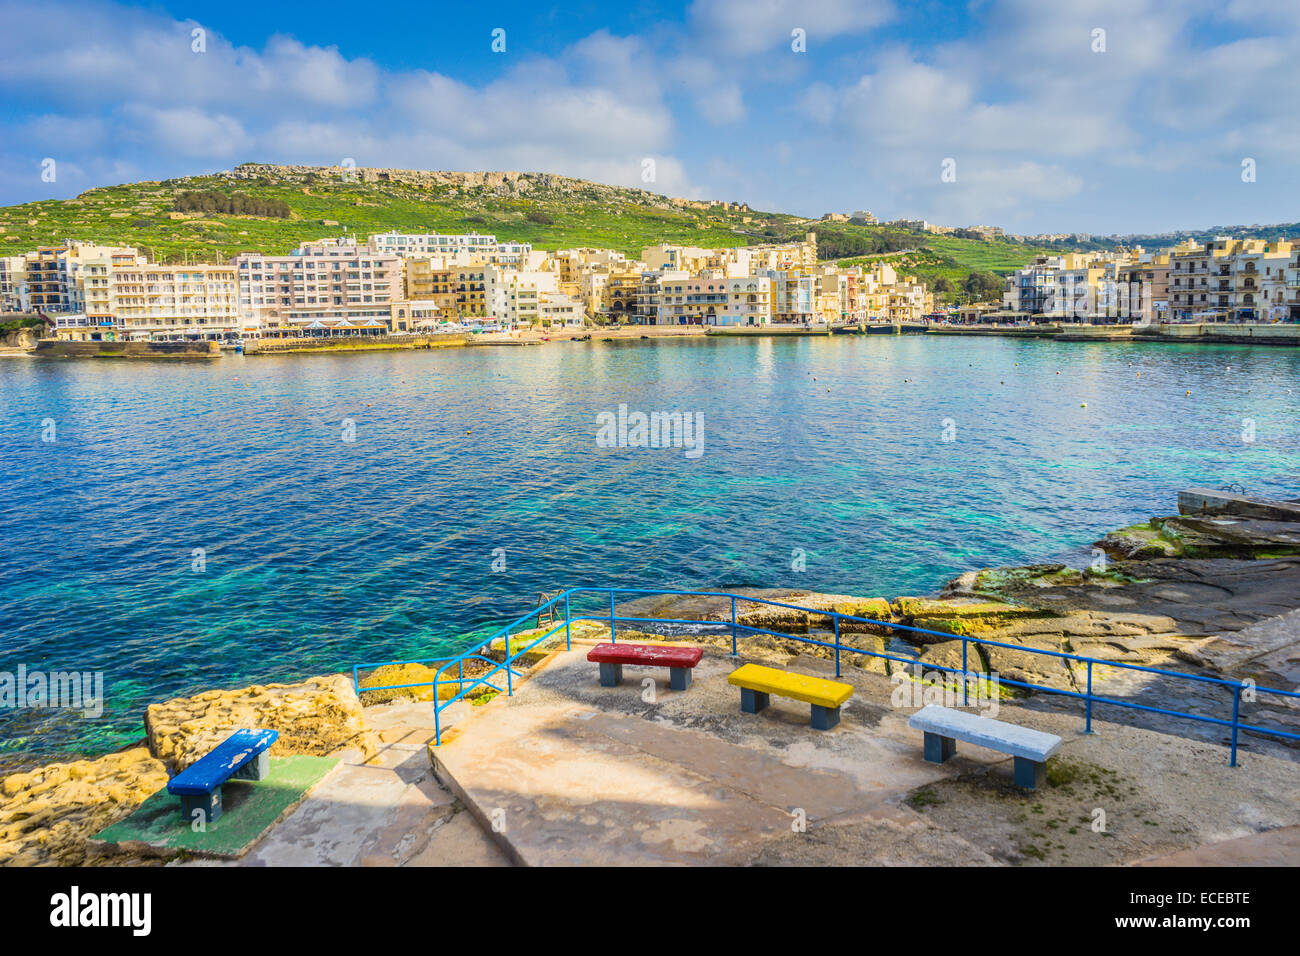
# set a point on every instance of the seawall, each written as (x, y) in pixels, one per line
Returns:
(1208, 333)
(54, 348)
(375, 343)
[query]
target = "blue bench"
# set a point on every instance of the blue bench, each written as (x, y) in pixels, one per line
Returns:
(243, 756)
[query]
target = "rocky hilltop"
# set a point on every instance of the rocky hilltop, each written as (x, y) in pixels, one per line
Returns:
(509, 184)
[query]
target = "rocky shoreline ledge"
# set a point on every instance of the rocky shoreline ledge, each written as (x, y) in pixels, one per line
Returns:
(1213, 590)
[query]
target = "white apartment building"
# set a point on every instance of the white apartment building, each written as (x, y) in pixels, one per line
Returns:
(515, 297)
(557, 309)
(432, 243)
(13, 271)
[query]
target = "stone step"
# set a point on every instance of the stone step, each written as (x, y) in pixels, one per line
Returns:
(1206, 501)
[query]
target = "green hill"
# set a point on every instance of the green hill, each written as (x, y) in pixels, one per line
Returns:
(273, 208)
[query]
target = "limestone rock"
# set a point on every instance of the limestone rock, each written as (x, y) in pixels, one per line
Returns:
(1137, 543)
(766, 616)
(1204, 536)
(47, 814)
(318, 716)
(1232, 537)
(391, 677)
(967, 617)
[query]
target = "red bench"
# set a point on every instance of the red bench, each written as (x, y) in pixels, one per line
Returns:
(679, 660)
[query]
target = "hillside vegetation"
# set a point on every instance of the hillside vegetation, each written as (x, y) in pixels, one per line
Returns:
(210, 217)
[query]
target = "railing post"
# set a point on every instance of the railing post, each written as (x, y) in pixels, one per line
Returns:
(1087, 729)
(510, 684)
(613, 639)
(437, 726)
(836, 619)
(733, 627)
(568, 639)
(1236, 714)
(964, 673)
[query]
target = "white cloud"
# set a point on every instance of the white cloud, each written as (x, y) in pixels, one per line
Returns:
(184, 131)
(753, 26)
(990, 193)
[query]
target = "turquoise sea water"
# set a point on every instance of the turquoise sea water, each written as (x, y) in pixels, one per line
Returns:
(321, 552)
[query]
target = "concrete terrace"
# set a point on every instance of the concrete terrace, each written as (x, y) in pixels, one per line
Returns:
(567, 772)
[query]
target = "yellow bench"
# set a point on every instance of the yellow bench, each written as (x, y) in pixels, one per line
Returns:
(758, 683)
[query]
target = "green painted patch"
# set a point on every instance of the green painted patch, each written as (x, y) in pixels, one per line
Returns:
(249, 810)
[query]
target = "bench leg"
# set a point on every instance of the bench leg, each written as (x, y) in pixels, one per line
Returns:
(752, 701)
(205, 808)
(255, 769)
(939, 748)
(679, 678)
(824, 718)
(611, 675)
(1030, 774)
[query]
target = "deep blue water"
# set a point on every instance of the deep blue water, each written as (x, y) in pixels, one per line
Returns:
(321, 552)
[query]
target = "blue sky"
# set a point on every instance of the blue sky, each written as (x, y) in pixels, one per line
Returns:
(1051, 126)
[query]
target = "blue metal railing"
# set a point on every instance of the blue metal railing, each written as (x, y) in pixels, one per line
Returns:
(613, 619)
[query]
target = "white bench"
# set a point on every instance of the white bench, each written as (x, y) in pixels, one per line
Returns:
(943, 727)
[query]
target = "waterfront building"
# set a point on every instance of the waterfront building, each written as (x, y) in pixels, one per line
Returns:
(321, 284)
(1074, 294)
(515, 297)
(1259, 284)
(53, 276)
(430, 280)
(13, 273)
(648, 293)
(556, 310)
(1292, 299)
(1143, 293)
(1226, 280)
(908, 301)
(715, 299)
(144, 301)
(621, 292)
(794, 295)
(471, 290)
(1031, 288)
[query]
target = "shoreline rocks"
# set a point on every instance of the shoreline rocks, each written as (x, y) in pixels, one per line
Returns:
(316, 717)
(48, 814)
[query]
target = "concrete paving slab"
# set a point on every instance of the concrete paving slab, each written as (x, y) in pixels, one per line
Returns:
(1280, 847)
